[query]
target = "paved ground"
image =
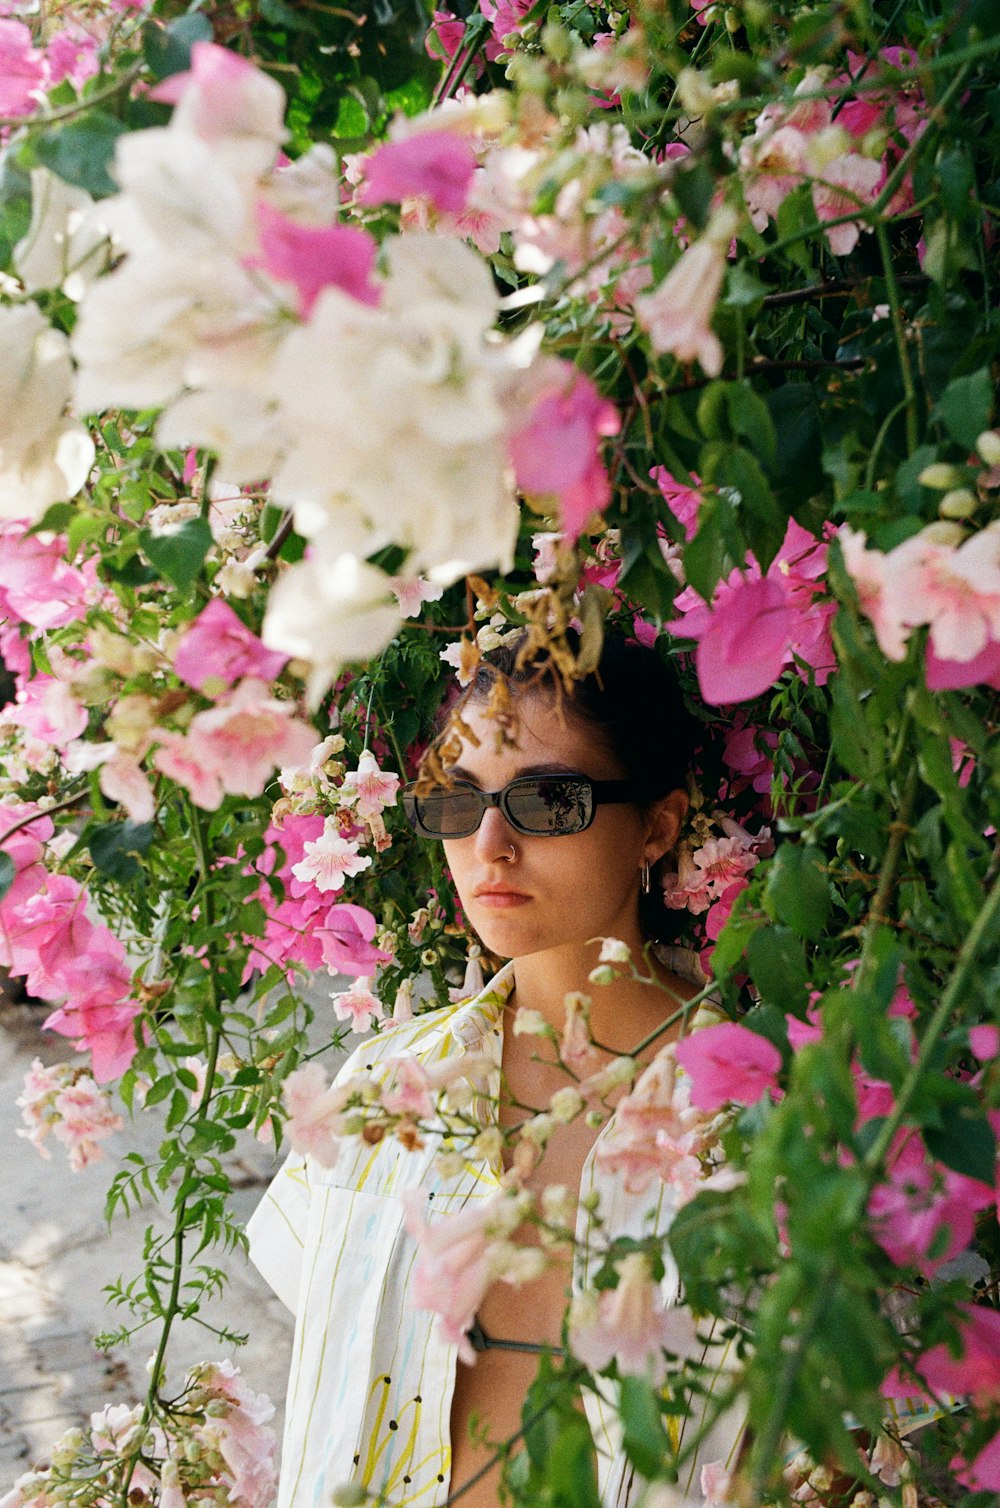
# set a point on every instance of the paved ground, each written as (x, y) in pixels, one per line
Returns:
(56, 1253)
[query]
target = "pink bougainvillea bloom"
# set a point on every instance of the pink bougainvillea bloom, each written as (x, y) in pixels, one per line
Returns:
(107, 1032)
(313, 1107)
(982, 669)
(358, 1005)
(346, 934)
(870, 573)
(329, 860)
(435, 165)
(728, 1063)
(677, 315)
(22, 69)
(557, 451)
(982, 1474)
(976, 1370)
(743, 648)
(218, 649)
(920, 1198)
(25, 850)
(630, 1325)
(683, 501)
(367, 788)
(46, 933)
(985, 1042)
(506, 17)
(955, 590)
(246, 735)
(37, 584)
(123, 779)
(314, 257)
(71, 54)
(48, 710)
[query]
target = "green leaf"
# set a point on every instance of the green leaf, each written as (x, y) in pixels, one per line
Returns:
(717, 547)
(965, 406)
(8, 873)
(117, 848)
(179, 555)
(964, 1142)
(80, 151)
(645, 1441)
(55, 519)
(280, 14)
(797, 890)
(167, 49)
(777, 968)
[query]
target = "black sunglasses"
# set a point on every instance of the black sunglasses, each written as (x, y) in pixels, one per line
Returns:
(538, 805)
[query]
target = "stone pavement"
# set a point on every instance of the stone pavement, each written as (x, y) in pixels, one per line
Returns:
(56, 1253)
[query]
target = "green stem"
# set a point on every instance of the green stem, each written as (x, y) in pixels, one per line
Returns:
(190, 1166)
(765, 1447)
(899, 333)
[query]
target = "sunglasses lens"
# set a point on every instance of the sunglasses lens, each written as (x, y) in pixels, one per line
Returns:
(445, 813)
(551, 804)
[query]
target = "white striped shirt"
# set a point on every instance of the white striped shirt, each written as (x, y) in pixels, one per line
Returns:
(371, 1382)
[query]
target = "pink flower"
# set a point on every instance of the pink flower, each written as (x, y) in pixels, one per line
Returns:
(976, 1369)
(346, 935)
(868, 570)
(26, 850)
(176, 759)
(728, 1063)
(223, 96)
(124, 780)
(982, 1474)
(677, 314)
(556, 451)
(843, 186)
(445, 36)
(107, 1032)
(950, 675)
(411, 1089)
(576, 1048)
(985, 1042)
(22, 69)
(743, 649)
(715, 1484)
(314, 1125)
(955, 590)
(245, 736)
(656, 1133)
(919, 1199)
(37, 584)
(45, 933)
(459, 1257)
(436, 165)
(629, 1325)
(218, 649)
(358, 1005)
(47, 709)
(367, 789)
(238, 1434)
(68, 1103)
(314, 257)
(683, 501)
(329, 860)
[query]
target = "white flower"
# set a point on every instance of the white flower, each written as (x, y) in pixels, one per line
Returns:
(66, 244)
(44, 457)
(328, 609)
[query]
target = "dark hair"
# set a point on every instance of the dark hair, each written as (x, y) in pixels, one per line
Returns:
(633, 703)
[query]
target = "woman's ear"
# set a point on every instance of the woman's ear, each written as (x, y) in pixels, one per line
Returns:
(665, 819)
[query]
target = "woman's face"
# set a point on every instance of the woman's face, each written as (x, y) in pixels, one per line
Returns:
(525, 894)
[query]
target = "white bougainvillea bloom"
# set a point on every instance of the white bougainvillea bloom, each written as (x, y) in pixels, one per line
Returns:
(331, 859)
(44, 457)
(330, 608)
(66, 246)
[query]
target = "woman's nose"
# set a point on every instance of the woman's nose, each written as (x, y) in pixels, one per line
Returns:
(495, 837)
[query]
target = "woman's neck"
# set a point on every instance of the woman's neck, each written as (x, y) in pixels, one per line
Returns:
(622, 1012)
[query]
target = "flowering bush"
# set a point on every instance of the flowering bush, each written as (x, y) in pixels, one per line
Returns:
(337, 348)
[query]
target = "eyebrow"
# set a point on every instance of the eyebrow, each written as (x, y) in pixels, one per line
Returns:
(461, 773)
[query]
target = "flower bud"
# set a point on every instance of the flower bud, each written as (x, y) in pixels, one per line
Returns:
(960, 502)
(566, 1104)
(529, 1023)
(939, 476)
(603, 974)
(988, 446)
(349, 1495)
(943, 532)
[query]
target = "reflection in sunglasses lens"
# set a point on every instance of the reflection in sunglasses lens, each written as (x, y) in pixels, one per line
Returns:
(551, 804)
(449, 813)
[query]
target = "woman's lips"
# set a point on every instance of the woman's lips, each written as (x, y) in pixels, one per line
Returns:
(501, 900)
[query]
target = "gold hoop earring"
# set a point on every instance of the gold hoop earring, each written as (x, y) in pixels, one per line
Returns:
(644, 881)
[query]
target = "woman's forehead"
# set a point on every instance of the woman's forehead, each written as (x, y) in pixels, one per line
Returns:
(547, 734)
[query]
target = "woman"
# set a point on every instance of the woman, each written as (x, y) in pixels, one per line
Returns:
(552, 841)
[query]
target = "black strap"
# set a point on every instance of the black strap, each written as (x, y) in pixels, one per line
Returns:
(480, 1341)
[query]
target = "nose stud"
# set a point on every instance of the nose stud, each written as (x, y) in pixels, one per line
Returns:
(513, 852)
